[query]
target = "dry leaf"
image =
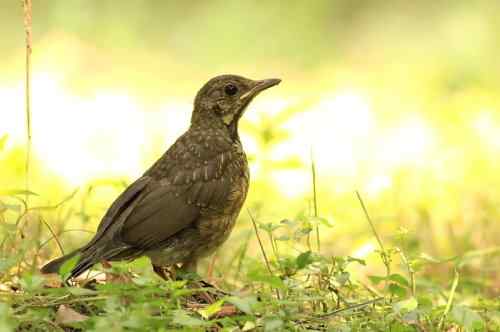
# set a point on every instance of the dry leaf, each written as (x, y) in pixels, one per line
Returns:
(121, 278)
(52, 280)
(67, 316)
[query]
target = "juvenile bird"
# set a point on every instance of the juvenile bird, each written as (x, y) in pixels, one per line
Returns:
(186, 204)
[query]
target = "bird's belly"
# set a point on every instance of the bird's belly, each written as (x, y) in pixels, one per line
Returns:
(215, 226)
(178, 250)
(213, 233)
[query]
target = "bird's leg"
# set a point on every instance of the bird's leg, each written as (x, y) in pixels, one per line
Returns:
(209, 296)
(160, 270)
(190, 266)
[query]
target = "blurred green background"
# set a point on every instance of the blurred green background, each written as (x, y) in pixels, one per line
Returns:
(396, 99)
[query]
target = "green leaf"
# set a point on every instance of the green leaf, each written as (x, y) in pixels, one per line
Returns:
(304, 259)
(269, 227)
(283, 238)
(66, 267)
(32, 282)
(356, 260)
(265, 277)
(143, 280)
(401, 327)
(7, 321)
(273, 324)
(376, 279)
(301, 232)
(245, 304)
(249, 326)
(395, 278)
(467, 318)
(211, 310)
(342, 278)
(405, 306)
(288, 222)
(181, 317)
(319, 221)
(397, 290)
(398, 278)
(81, 291)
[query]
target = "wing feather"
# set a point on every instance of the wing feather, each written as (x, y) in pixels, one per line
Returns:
(170, 196)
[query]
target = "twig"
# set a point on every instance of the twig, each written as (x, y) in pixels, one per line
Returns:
(355, 306)
(370, 221)
(411, 272)
(53, 304)
(260, 242)
(315, 199)
(450, 299)
(65, 231)
(262, 248)
(54, 235)
(27, 29)
(384, 255)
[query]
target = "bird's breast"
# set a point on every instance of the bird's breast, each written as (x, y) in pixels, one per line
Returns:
(215, 224)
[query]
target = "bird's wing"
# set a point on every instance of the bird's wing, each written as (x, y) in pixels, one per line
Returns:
(169, 197)
(124, 202)
(159, 215)
(189, 179)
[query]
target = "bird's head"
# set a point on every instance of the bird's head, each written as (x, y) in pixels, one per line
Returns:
(224, 98)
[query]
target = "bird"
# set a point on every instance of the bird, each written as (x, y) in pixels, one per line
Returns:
(186, 204)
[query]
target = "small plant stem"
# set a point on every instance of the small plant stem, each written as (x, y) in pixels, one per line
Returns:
(260, 242)
(262, 248)
(308, 241)
(411, 272)
(273, 245)
(241, 255)
(57, 303)
(27, 29)
(450, 299)
(355, 306)
(384, 255)
(315, 199)
(54, 235)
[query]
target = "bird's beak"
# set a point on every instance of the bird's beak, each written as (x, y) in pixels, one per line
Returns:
(260, 86)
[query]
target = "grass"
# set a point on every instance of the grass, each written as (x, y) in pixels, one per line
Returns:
(288, 288)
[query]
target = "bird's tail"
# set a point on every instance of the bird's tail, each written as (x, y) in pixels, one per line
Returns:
(87, 258)
(55, 265)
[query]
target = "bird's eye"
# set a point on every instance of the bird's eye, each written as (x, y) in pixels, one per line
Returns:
(230, 89)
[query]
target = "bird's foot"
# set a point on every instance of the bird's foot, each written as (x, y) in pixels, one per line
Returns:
(165, 273)
(207, 284)
(208, 293)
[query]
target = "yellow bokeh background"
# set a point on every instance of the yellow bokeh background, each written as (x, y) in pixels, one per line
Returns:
(398, 100)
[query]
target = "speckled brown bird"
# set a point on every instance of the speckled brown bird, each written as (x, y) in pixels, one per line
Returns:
(186, 204)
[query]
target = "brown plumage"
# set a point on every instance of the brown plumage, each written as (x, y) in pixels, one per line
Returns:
(186, 204)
